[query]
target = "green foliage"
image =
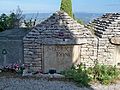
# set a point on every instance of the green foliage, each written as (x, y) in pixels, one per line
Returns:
(13, 20)
(66, 6)
(102, 73)
(30, 23)
(7, 21)
(3, 22)
(19, 17)
(78, 75)
(106, 74)
(80, 21)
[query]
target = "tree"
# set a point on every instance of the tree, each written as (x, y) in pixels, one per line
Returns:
(66, 6)
(30, 23)
(78, 20)
(14, 20)
(18, 17)
(3, 22)
(11, 21)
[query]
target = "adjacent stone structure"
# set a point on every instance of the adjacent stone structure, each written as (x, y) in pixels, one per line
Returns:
(11, 46)
(105, 28)
(57, 43)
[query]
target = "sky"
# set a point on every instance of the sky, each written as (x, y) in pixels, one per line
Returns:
(49, 6)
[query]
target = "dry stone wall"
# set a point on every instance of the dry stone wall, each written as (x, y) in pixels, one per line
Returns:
(98, 50)
(33, 50)
(105, 28)
(88, 52)
(59, 42)
(106, 52)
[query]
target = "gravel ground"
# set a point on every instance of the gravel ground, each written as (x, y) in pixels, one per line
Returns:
(43, 84)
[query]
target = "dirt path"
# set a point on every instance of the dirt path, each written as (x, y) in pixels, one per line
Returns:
(43, 84)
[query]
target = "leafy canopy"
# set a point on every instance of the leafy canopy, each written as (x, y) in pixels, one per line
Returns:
(66, 6)
(14, 20)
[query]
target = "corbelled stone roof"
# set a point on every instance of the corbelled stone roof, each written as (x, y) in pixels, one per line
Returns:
(59, 28)
(107, 25)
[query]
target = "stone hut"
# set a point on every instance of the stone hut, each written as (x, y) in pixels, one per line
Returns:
(107, 31)
(58, 43)
(11, 46)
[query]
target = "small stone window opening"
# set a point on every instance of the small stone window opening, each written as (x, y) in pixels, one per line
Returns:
(118, 64)
(63, 39)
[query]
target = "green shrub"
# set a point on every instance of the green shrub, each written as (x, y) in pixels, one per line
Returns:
(66, 6)
(80, 21)
(78, 75)
(102, 73)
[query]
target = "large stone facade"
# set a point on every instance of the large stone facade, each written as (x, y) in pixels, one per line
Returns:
(59, 42)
